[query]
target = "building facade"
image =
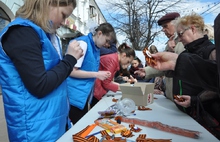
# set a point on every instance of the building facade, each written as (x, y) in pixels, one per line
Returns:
(83, 17)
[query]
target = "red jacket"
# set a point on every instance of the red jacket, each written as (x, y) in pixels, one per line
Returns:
(110, 63)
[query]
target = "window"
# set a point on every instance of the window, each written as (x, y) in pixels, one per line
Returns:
(92, 11)
(4, 19)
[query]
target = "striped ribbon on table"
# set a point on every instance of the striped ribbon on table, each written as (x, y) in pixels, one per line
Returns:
(81, 135)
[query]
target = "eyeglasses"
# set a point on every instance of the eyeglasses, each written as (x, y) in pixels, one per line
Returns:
(180, 34)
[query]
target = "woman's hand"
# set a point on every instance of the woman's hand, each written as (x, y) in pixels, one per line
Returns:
(159, 92)
(102, 75)
(164, 61)
(125, 78)
(74, 49)
(132, 79)
(187, 101)
(140, 72)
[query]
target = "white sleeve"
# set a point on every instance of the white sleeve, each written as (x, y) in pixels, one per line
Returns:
(83, 45)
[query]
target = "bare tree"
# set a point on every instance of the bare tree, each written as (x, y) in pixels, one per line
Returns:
(137, 19)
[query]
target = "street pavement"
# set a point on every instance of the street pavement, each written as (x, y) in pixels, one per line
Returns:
(3, 129)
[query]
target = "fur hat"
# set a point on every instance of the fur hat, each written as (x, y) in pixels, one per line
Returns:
(168, 17)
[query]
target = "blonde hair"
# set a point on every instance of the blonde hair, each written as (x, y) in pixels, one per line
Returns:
(191, 19)
(209, 31)
(38, 11)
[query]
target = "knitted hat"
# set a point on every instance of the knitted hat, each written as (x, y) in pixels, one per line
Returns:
(168, 17)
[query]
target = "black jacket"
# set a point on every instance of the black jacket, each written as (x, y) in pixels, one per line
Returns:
(198, 71)
(195, 70)
(217, 45)
(201, 47)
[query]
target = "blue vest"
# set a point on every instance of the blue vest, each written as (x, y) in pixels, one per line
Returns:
(79, 88)
(30, 118)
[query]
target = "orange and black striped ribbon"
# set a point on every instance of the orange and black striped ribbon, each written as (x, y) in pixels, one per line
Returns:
(126, 133)
(77, 137)
(141, 138)
(105, 134)
(82, 131)
(93, 139)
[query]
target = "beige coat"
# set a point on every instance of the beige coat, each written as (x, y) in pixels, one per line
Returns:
(151, 72)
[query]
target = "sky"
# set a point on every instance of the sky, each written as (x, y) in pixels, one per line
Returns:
(208, 9)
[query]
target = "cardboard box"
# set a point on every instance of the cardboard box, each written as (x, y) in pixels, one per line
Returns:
(140, 93)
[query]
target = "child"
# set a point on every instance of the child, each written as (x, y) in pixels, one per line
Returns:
(135, 65)
(82, 78)
(112, 63)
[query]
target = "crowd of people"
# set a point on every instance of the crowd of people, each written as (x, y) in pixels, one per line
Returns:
(195, 71)
(44, 91)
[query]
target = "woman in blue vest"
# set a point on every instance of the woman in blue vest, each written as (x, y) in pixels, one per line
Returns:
(82, 78)
(33, 73)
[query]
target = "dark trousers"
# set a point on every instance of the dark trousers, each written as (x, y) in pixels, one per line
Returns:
(75, 114)
(94, 102)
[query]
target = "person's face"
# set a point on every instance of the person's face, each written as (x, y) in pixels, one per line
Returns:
(135, 63)
(168, 29)
(185, 35)
(125, 61)
(107, 45)
(102, 40)
(57, 15)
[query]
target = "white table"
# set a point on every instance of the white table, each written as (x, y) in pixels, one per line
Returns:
(163, 110)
